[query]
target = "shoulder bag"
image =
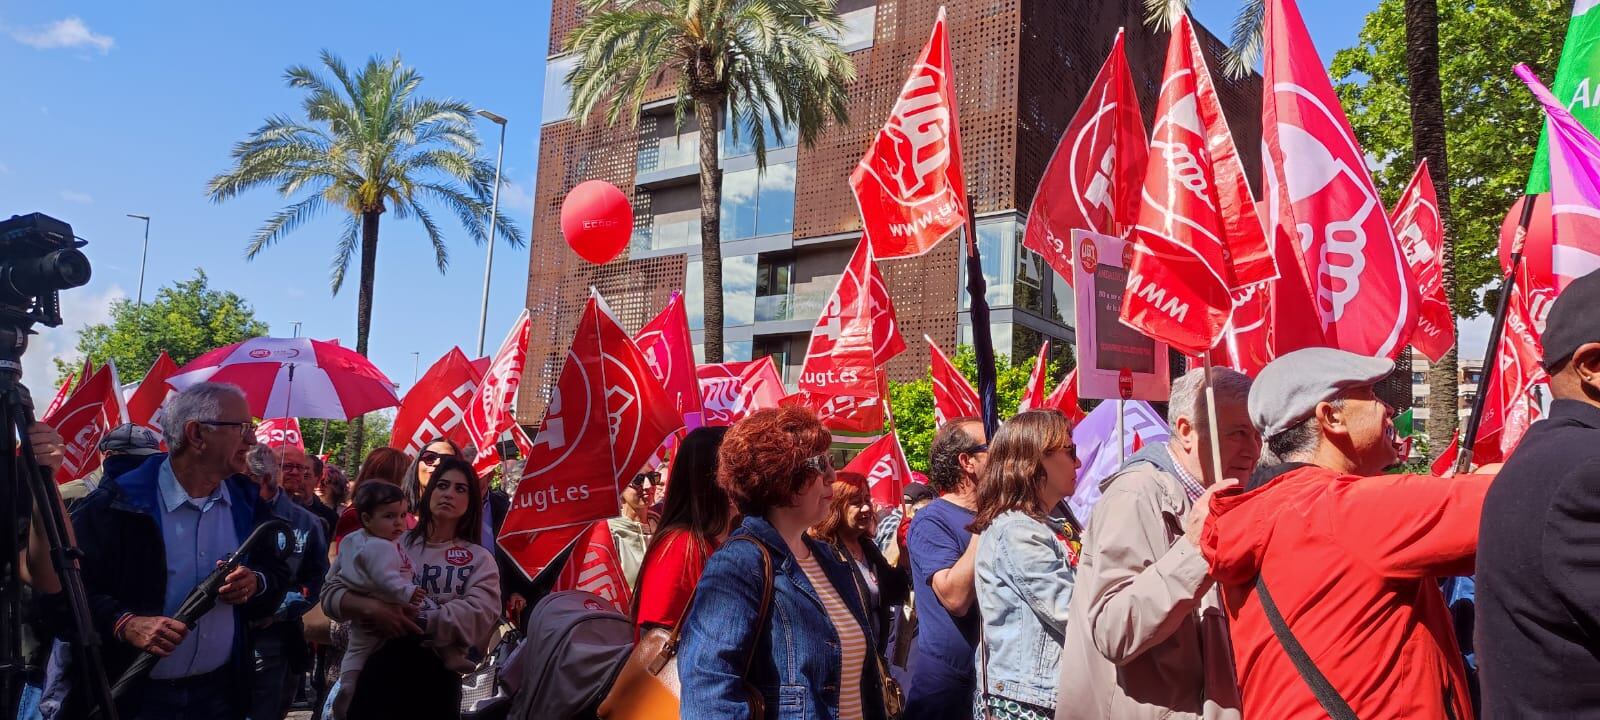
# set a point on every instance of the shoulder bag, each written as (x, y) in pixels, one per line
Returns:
(894, 701)
(647, 687)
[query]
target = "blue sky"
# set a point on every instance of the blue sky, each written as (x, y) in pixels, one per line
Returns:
(114, 108)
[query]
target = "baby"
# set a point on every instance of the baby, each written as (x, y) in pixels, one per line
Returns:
(372, 563)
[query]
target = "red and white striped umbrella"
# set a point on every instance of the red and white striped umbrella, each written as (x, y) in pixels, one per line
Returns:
(294, 377)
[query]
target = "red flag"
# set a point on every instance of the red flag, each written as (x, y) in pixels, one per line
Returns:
(884, 465)
(1038, 382)
(953, 396)
(596, 567)
(488, 414)
(909, 186)
(843, 413)
(1065, 398)
(1097, 171)
(1138, 442)
(436, 405)
(855, 334)
(280, 432)
(669, 350)
(1420, 232)
(61, 395)
(729, 392)
(1199, 239)
(1509, 407)
(606, 416)
(87, 415)
(152, 392)
(1325, 211)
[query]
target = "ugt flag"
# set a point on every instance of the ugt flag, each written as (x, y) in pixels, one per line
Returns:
(94, 407)
(152, 392)
(1421, 234)
(856, 333)
(953, 396)
(1198, 240)
(436, 405)
(1576, 86)
(1095, 175)
(669, 350)
(489, 412)
(1034, 396)
(909, 186)
(884, 466)
(1574, 188)
(606, 417)
(1342, 265)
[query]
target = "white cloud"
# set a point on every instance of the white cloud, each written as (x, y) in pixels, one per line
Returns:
(516, 197)
(73, 196)
(68, 33)
(79, 308)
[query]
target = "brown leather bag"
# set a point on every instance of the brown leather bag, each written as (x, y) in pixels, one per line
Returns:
(647, 687)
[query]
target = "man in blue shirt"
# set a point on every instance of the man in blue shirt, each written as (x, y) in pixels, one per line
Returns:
(151, 535)
(943, 553)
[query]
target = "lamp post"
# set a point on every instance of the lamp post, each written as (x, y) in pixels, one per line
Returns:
(494, 211)
(416, 362)
(143, 255)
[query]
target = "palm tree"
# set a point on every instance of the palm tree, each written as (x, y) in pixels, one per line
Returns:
(770, 64)
(367, 145)
(1427, 143)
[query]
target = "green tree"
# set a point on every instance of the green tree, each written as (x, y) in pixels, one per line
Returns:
(912, 402)
(330, 437)
(368, 145)
(185, 319)
(771, 65)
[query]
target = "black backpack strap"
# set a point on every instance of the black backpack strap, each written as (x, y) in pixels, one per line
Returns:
(1332, 702)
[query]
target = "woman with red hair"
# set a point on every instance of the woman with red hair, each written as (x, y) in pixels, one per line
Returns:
(804, 650)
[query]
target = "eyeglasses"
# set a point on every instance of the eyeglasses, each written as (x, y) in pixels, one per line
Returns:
(296, 468)
(246, 427)
(819, 463)
(1070, 450)
(975, 449)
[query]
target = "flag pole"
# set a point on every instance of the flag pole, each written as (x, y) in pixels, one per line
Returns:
(1122, 444)
(1508, 285)
(1213, 444)
(982, 338)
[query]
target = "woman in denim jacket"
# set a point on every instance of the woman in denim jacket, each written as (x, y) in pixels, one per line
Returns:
(1025, 565)
(813, 657)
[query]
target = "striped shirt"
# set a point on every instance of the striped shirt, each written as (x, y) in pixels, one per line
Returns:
(852, 641)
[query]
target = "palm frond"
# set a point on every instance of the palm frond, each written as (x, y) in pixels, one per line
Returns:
(441, 253)
(1249, 29)
(281, 223)
(1163, 14)
(349, 241)
(469, 210)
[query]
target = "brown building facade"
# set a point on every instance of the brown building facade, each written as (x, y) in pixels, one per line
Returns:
(1022, 67)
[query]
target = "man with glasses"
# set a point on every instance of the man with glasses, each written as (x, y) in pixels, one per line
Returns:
(151, 535)
(943, 556)
(299, 481)
(1146, 637)
(278, 646)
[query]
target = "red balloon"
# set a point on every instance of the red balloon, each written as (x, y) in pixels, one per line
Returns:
(596, 221)
(1535, 245)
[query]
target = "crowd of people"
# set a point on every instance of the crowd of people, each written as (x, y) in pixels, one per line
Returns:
(1272, 570)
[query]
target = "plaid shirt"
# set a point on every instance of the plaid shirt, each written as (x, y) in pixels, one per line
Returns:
(1191, 486)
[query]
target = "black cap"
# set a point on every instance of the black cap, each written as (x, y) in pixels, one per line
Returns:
(1573, 320)
(917, 492)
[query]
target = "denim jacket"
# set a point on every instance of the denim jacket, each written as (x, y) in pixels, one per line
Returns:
(796, 657)
(1024, 585)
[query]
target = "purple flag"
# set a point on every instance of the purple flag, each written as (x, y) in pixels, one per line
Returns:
(1096, 438)
(1574, 187)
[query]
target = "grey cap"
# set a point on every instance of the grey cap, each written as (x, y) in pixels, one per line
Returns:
(1290, 387)
(130, 439)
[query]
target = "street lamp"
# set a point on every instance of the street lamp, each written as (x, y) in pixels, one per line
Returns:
(143, 254)
(494, 211)
(416, 361)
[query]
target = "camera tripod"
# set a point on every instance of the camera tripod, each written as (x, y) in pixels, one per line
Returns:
(18, 468)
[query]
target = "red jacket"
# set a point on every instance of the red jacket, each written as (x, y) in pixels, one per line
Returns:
(1351, 563)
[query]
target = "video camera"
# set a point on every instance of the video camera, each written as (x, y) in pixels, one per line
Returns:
(39, 257)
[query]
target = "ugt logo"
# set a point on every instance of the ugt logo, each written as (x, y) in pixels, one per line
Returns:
(918, 131)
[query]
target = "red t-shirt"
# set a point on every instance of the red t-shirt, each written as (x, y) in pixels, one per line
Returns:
(671, 568)
(350, 521)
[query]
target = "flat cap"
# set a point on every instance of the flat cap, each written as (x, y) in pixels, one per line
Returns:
(1290, 387)
(130, 439)
(1572, 321)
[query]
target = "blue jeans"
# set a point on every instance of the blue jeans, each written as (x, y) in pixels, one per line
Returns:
(272, 681)
(29, 708)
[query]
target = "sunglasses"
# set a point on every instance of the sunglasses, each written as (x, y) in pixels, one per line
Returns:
(430, 457)
(822, 464)
(1070, 450)
(975, 449)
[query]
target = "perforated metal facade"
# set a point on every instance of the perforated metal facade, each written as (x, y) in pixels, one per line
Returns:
(1022, 67)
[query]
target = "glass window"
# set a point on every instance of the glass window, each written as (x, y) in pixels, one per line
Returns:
(1000, 333)
(679, 229)
(556, 93)
(737, 351)
(1418, 378)
(997, 247)
(1031, 278)
(756, 205)
(772, 289)
(859, 25)
(777, 137)
(738, 291)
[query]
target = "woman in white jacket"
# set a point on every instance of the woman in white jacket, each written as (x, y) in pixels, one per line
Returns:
(418, 672)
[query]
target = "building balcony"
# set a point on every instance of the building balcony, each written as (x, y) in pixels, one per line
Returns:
(804, 301)
(668, 161)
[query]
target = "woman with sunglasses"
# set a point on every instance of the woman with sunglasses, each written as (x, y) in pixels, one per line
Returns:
(1025, 565)
(810, 655)
(422, 469)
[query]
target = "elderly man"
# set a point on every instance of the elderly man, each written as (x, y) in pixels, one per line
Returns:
(278, 645)
(1538, 593)
(1146, 637)
(299, 481)
(150, 536)
(1329, 569)
(943, 562)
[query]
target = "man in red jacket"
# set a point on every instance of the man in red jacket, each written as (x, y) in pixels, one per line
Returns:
(1328, 567)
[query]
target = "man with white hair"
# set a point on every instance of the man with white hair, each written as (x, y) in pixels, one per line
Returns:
(1146, 637)
(152, 535)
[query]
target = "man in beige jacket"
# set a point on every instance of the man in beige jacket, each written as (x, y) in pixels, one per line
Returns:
(1146, 635)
